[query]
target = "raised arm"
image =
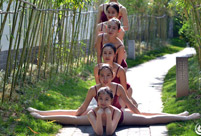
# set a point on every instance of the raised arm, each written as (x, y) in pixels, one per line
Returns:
(122, 76)
(84, 106)
(100, 10)
(98, 29)
(96, 74)
(121, 93)
(96, 121)
(120, 54)
(121, 33)
(98, 46)
(111, 123)
(125, 19)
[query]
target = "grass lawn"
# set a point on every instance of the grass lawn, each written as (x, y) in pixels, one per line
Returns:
(191, 103)
(175, 45)
(64, 92)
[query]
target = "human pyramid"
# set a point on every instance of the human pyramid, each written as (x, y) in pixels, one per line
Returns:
(115, 105)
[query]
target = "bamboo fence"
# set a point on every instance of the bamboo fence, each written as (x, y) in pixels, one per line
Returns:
(52, 41)
(44, 41)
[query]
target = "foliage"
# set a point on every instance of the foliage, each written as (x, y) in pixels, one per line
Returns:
(174, 46)
(191, 103)
(188, 12)
(139, 6)
(62, 92)
(150, 7)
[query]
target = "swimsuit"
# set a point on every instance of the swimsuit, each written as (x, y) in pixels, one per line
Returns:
(103, 15)
(115, 103)
(117, 79)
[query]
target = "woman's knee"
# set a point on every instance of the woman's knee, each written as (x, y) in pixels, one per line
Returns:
(130, 92)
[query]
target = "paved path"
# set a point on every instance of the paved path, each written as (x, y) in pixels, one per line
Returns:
(146, 81)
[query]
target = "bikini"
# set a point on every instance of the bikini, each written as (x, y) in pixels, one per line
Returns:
(117, 79)
(115, 103)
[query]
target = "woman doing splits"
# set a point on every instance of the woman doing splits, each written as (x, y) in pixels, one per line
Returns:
(129, 118)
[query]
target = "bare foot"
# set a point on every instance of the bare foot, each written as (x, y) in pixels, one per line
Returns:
(193, 116)
(185, 113)
(36, 115)
(30, 109)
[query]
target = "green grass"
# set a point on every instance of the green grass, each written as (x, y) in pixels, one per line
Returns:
(191, 103)
(63, 92)
(174, 46)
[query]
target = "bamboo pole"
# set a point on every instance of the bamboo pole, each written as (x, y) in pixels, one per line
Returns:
(9, 50)
(24, 47)
(70, 60)
(18, 39)
(4, 22)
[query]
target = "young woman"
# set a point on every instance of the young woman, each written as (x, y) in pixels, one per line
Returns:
(113, 27)
(105, 114)
(129, 118)
(102, 14)
(108, 55)
(112, 12)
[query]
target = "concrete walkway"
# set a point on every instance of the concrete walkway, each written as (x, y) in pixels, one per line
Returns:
(146, 81)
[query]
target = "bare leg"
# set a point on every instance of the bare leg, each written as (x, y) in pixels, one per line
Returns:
(64, 119)
(55, 112)
(136, 119)
(185, 113)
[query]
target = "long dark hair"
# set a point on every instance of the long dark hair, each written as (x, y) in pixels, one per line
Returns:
(107, 66)
(105, 90)
(109, 45)
(114, 5)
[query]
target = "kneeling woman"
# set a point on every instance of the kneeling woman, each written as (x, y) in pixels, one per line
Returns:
(108, 54)
(113, 27)
(130, 118)
(112, 12)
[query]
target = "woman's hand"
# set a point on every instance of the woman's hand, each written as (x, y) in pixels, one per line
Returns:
(108, 111)
(100, 111)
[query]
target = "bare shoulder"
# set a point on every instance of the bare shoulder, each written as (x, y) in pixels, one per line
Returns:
(114, 85)
(99, 37)
(118, 65)
(98, 66)
(119, 41)
(122, 8)
(100, 8)
(92, 90)
(115, 109)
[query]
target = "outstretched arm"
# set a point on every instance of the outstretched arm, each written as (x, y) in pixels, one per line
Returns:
(127, 101)
(84, 106)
